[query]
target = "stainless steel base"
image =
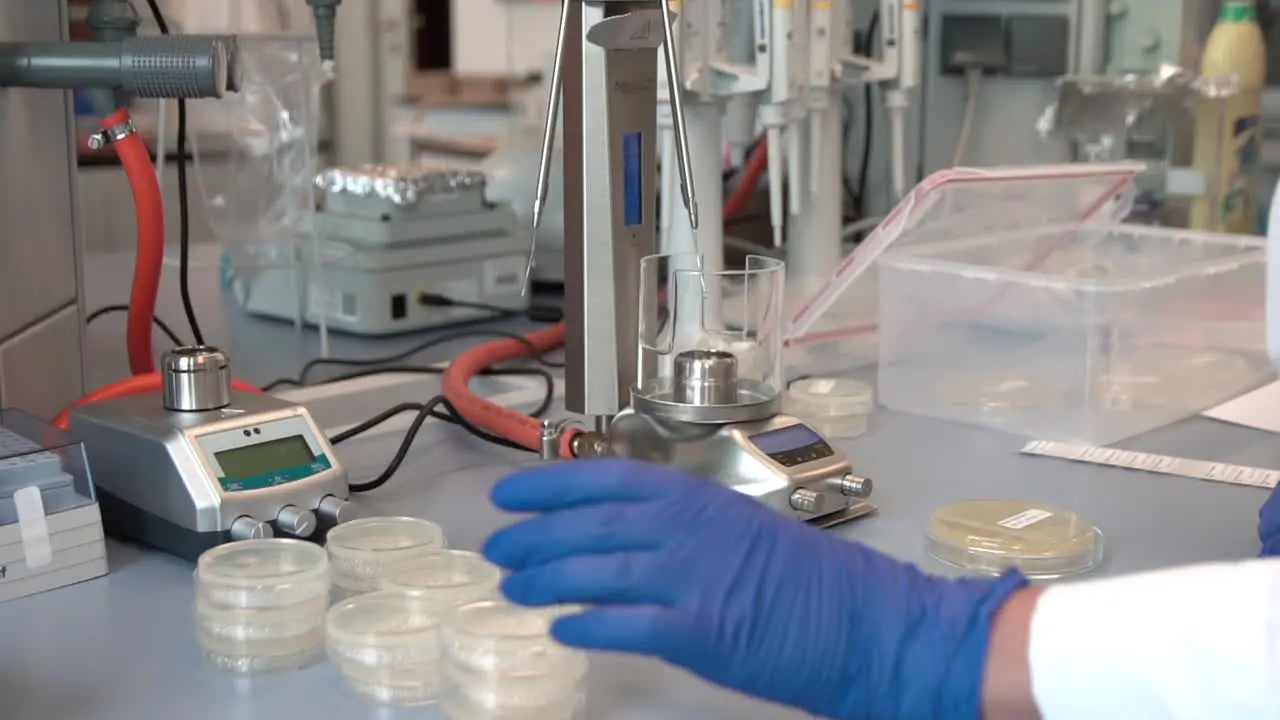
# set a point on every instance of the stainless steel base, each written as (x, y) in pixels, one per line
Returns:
(809, 481)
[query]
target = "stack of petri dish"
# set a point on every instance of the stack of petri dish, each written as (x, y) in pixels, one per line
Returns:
(363, 552)
(387, 645)
(502, 664)
(260, 604)
(448, 577)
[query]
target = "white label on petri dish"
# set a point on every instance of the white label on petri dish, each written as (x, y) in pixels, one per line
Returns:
(1162, 464)
(822, 387)
(1025, 519)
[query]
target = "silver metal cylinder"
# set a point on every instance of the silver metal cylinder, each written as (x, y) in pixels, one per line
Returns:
(809, 501)
(196, 379)
(247, 528)
(853, 486)
(335, 510)
(706, 377)
(295, 521)
(549, 441)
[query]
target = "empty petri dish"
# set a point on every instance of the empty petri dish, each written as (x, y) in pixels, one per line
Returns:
(493, 636)
(361, 552)
(262, 573)
(992, 536)
(455, 577)
(387, 645)
(836, 408)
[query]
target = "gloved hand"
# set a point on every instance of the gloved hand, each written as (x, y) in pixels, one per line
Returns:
(691, 572)
(1269, 525)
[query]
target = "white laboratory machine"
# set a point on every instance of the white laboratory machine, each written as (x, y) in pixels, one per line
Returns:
(203, 464)
(401, 249)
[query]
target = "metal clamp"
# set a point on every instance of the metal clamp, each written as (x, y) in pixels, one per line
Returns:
(113, 134)
(549, 437)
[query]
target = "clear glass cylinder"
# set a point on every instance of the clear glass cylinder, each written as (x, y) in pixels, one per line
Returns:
(710, 338)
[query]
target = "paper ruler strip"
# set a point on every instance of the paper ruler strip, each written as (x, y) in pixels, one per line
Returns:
(1162, 464)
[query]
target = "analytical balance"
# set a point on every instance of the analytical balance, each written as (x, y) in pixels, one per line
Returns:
(204, 464)
(709, 396)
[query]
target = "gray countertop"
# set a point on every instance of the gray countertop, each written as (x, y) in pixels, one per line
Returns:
(123, 647)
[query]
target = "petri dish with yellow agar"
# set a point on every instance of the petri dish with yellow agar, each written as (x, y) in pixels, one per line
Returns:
(992, 536)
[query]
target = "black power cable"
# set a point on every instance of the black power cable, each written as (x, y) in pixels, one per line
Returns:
(424, 411)
(865, 169)
(184, 212)
(164, 327)
(422, 347)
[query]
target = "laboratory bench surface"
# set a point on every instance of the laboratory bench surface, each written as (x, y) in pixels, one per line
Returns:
(123, 647)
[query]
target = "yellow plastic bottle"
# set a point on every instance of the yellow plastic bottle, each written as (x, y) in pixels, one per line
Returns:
(1226, 148)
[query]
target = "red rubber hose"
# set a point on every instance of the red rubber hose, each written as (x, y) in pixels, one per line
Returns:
(752, 170)
(491, 417)
(148, 204)
(136, 385)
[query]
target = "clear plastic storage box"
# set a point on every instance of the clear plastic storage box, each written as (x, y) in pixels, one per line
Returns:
(1056, 322)
(50, 526)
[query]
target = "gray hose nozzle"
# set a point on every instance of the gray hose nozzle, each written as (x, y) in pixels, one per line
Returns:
(171, 67)
(326, 15)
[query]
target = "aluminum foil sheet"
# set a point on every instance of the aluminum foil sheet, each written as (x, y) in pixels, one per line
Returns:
(402, 185)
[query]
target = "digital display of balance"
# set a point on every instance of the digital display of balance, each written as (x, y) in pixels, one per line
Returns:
(204, 464)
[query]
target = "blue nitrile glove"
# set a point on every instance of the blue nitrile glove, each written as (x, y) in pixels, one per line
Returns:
(686, 570)
(1269, 525)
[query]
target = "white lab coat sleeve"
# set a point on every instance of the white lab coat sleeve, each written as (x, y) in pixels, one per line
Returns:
(1198, 643)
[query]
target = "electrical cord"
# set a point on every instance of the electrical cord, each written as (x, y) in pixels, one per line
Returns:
(161, 324)
(867, 131)
(301, 380)
(424, 411)
(184, 210)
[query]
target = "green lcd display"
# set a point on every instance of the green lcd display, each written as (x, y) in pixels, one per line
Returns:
(264, 458)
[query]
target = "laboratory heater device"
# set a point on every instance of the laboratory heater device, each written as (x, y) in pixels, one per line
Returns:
(203, 464)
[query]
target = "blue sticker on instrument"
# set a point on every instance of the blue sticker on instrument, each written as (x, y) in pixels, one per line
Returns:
(633, 179)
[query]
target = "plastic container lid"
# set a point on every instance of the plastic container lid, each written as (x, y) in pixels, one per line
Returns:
(494, 636)
(991, 536)
(454, 577)
(263, 573)
(829, 397)
(362, 551)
